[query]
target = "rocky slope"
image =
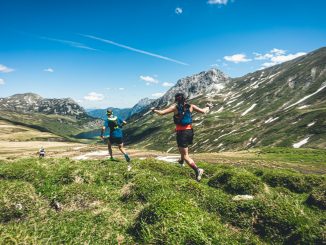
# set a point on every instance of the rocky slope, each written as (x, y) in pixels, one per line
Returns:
(62, 117)
(284, 105)
(206, 82)
(31, 103)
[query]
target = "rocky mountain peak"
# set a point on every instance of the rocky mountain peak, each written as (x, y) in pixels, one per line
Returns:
(204, 83)
(30, 102)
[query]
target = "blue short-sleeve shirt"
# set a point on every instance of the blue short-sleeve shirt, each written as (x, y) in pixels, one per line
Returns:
(113, 127)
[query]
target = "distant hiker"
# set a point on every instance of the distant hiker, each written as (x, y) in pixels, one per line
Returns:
(184, 131)
(41, 152)
(112, 133)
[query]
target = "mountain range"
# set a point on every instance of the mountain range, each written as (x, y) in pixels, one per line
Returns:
(283, 105)
(63, 117)
(34, 103)
(124, 113)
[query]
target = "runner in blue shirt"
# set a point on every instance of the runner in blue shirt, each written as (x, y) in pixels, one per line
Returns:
(112, 133)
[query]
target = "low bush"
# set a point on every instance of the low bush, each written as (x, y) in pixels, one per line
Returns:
(236, 182)
(318, 197)
(178, 221)
(293, 181)
(17, 200)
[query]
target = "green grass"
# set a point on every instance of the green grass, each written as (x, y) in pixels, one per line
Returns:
(314, 156)
(64, 126)
(61, 201)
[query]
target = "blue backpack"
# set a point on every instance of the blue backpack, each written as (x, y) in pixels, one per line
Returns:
(184, 115)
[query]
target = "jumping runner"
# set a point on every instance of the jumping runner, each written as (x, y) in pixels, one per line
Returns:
(184, 131)
(113, 134)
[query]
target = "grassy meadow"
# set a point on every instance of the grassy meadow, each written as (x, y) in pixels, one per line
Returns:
(59, 201)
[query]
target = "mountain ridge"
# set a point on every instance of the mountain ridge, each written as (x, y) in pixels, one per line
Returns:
(34, 103)
(283, 105)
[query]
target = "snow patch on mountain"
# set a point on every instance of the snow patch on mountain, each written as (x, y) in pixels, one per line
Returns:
(249, 109)
(301, 143)
(307, 97)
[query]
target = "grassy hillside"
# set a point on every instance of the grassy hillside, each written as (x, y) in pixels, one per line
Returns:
(61, 201)
(63, 126)
(12, 132)
(279, 106)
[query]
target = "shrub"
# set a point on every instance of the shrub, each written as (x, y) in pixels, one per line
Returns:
(146, 187)
(318, 197)
(178, 221)
(280, 217)
(236, 182)
(291, 180)
(78, 197)
(17, 200)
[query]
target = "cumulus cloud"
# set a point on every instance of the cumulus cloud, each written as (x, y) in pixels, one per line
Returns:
(48, 70)
(5, 69)
(166, 84)
(220, 2)
(2, 81)
(149, 79)
(237, 58)
(178, 10)
(276, 56)
(121, 89)
(157, 95)
(93, 96)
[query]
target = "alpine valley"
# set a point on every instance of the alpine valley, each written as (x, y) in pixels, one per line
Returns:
(62, 117)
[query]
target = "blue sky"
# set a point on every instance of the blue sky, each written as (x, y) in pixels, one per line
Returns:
(114, 52)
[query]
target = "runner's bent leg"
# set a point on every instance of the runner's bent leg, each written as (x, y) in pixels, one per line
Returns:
(186, 157)
(123, 151)
(110, 148)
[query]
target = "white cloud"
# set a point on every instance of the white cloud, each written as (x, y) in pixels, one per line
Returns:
(178, 11)
(2, 81)
(274, 52)
(237, 58)
(49, 70)
(283, 58)
(5, 69)
(278, 51)
(220, 2)
(135, 49)
(166, 84)
(149, 79)
(259, 56)
(276, 56)
(93, 96)
(121, 89)
(157, 95)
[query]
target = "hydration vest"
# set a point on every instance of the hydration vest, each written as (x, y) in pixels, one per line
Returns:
(113, 123)
(184, 115)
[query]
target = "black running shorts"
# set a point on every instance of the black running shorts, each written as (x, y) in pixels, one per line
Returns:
(185, 137)
(115, 140)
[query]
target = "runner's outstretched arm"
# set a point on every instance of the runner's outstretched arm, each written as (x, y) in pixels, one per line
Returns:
(165, 111)
(200, 110)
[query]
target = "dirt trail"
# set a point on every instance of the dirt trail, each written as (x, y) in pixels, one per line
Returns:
(13, 150)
